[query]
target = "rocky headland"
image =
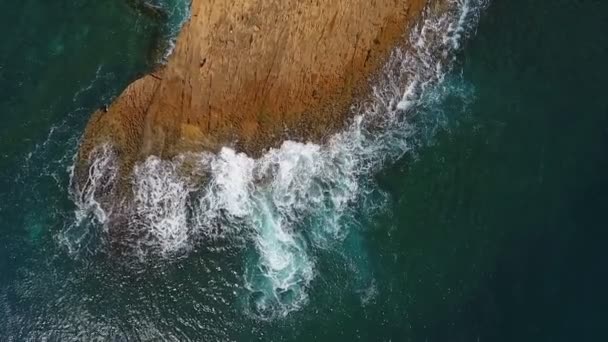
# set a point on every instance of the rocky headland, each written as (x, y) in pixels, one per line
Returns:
(252, 73)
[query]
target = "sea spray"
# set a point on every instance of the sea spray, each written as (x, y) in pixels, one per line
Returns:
(88, 196)
(272, 200)
(159, 207)
(100, 180)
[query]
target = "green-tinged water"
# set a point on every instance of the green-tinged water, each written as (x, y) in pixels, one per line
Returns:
(492, 229)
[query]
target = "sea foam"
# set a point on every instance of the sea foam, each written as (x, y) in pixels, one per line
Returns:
(267, 201)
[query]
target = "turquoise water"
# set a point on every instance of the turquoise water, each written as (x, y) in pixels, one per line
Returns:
(490, 228)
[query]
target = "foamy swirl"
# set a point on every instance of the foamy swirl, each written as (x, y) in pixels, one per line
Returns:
(231, 195)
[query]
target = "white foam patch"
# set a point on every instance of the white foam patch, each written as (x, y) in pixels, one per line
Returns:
(160, 209)
(102, 173)
(210, 197)
(88, 196)
(228, 192)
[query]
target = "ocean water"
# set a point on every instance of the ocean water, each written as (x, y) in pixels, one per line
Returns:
(464, 203)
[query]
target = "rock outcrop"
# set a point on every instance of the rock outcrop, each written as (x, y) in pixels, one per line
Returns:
(251, 73)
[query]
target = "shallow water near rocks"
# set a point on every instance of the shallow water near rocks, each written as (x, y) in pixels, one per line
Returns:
(491, 229)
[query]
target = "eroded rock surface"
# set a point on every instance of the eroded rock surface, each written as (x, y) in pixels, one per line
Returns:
(251, 73)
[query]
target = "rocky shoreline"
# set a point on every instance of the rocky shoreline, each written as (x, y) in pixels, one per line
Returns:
(250, 74)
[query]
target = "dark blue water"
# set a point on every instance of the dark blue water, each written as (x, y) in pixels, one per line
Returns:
(491, 231)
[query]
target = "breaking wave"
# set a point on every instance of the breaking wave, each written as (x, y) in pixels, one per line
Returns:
(294, 199)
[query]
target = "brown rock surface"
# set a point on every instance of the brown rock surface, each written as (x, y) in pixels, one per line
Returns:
(249, 73)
